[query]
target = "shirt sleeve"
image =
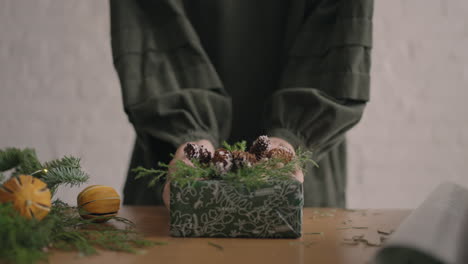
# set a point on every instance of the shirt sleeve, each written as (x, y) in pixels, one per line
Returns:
(325, 82)
(170, 89)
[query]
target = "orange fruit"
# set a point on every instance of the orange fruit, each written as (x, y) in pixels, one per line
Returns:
(98, 201)
(29, 196)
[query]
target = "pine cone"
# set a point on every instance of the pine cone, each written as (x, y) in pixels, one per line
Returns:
(260, 147)
(243, 159)
(281, 153)
(192, 151)
(222, 160)
(205, 155)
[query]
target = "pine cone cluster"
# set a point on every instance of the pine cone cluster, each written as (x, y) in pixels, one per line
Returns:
(225, 160)
(198, 152)
(192, 151)
(242, 159)
(281, 153)
(260, 147)
(205, 155)
(222, 160)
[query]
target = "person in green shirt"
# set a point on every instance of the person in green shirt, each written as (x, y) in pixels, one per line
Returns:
(212, 70)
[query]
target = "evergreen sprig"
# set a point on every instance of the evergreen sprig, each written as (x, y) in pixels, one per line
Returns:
(9, 158)
(156, 174)
(65, 162)
(29, 162)
(29, 241)
(64, 171)
(238, 146)
(270, 170)
(21, 240)
(66, 176)
(22, 161)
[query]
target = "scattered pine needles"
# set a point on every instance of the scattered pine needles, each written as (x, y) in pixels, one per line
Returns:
(219, 247)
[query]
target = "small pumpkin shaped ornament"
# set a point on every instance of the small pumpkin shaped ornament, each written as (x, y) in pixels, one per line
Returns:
(29, 196)
(97, 202)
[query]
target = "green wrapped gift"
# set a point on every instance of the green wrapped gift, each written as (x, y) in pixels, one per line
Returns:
(217, 208)
(235, 192)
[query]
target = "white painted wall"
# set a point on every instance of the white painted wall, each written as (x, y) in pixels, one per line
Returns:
(414, 133)
(59, 94)
(58, 89)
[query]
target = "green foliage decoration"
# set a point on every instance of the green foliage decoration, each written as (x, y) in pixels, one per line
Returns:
(25, 240)
(28, 241)
(238, 146)
(251, 177)
(10, 158)
(65, 171)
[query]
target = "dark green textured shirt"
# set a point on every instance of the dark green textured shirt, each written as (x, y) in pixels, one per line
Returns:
(236, 69)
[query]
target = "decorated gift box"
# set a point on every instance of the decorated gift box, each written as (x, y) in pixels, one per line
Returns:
(216, 208)
(234, 192)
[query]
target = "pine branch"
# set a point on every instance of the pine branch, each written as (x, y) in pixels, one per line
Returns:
(67, 176)
(185, 174)
(27, 241)
(155, 174)
(23, 161)
(74, 233)
(63, 171)
(9, 158)
(67, 161)
(238, 146)
(29, 162)
(250, 177)
(22, 239)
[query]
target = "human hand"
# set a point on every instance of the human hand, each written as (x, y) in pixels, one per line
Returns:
(279, 142)
(180, 155)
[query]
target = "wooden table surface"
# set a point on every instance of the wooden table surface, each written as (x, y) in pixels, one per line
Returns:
(321, 242)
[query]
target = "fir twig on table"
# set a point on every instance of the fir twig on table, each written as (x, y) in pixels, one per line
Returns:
(26, 241)
(314, 233)
(219, 247)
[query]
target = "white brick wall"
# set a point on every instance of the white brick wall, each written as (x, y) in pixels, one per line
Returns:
(60, 94)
